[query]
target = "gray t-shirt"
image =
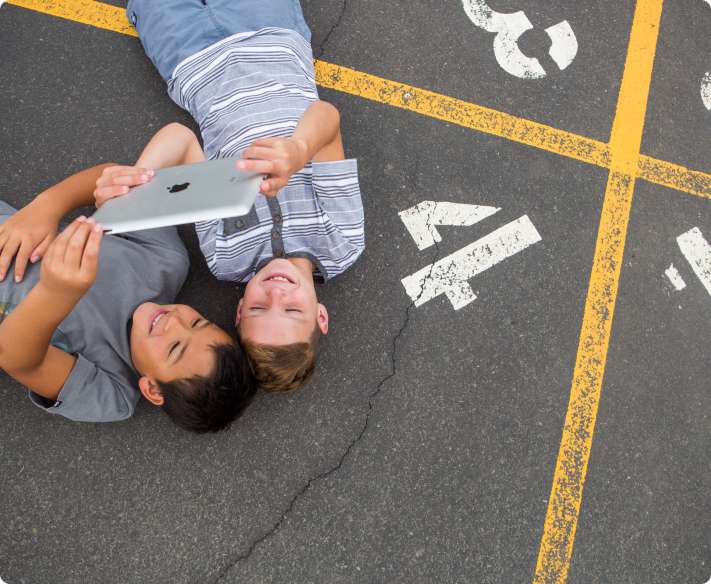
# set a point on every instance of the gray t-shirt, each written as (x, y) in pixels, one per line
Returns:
(145, 266)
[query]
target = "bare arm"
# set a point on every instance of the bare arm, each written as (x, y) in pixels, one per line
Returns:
(172, 145)
(319, 130)
(27, 234)
(68, 270)
(316, 137)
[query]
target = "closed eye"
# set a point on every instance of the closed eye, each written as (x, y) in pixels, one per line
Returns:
(198, 321)
(172, 348)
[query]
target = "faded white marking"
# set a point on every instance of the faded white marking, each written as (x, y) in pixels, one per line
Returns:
(706, 89)
(697, 252)
(451, 275)
(675, 278)
(565, 46)
(422, 220)
(509, 27)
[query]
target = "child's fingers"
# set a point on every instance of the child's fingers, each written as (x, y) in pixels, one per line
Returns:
(114, 170)
(41, 249)
(130, 176)
(8, 252)
(260, 152)
(127, 177)
(259, 166)
(269, 187)
(90, 257)
(101, 195)
(128, 180)
(75, 246)
(266, 141)
(59, 245)
(21, 259)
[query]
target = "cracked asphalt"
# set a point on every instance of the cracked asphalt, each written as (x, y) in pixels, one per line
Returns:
(423, 452)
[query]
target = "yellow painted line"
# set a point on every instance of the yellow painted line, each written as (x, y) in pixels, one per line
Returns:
(96, 14)
(674, 176)
(462, 113)
(571, 466)
(423, 102)
(621, 156)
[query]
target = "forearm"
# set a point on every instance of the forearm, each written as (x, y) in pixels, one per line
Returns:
(317, 128)
(172, 145)
(26, 333)
(72, 193)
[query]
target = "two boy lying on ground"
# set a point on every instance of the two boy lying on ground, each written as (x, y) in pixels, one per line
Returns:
(85, 327)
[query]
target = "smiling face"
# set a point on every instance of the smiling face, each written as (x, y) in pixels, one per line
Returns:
(172, 342)
(279, 306)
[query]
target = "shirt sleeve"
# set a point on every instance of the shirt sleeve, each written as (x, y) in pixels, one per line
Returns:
(338, 193)
(90, 395)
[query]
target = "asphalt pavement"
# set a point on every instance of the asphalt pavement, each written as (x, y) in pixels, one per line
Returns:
(424, 450)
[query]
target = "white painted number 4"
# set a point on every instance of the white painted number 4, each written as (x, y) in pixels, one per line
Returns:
(450, 275)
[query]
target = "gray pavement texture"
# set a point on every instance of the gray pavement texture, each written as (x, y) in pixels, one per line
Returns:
(424, 450)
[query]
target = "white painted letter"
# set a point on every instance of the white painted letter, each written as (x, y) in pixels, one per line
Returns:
(675, 278)
(422, 220)
(697, 252)
(706, 90)
(451, 275)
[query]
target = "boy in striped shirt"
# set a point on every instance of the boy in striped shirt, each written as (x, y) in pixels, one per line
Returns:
(244, 70)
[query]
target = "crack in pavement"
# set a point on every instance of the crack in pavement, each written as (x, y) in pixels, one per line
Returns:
(322, 47)
(364, 428)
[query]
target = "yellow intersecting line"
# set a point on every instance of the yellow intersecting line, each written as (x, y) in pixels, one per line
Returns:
(621, 156)
(571, 466)
(424, 102)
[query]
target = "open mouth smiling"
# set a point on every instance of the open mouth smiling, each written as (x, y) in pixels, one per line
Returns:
(279, 278)
(160, 314)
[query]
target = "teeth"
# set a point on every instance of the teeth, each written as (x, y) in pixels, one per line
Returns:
(156, 319)
(278, 279)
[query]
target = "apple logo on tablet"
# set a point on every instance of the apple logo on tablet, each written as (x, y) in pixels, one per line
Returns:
(178, 188)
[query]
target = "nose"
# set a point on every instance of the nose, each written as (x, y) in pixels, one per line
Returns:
(175, 321)
(275, 294)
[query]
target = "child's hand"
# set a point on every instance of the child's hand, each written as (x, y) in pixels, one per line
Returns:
(115, 181)
(69, 268)
(26, 236)
(277, 158)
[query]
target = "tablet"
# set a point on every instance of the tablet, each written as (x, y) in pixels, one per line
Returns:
(182, 194)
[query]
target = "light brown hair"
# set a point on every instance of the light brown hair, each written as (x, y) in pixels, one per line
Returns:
(282, 368)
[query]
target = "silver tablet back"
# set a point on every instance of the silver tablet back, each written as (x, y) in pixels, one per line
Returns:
(183, 194)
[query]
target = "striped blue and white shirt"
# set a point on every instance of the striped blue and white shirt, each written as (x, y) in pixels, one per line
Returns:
(257, 85)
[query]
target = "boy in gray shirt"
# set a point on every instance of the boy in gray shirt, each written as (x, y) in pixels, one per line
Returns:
(90, 327)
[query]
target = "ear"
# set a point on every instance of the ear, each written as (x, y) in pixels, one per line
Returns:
(150, 391)
(238, 316)
(322, 319)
